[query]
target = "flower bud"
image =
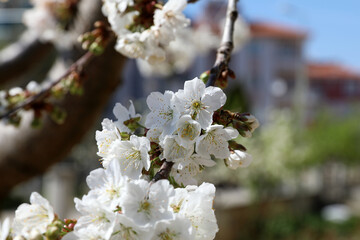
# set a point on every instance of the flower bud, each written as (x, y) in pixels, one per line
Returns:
(58, 115)
(245, 133)
(96, 48)
(254, 125)
(236, 146)
(57, 223)
(35, 235)
(251, 121)
(205, 76)
(19, 237)
(52, 232)
(86, 45)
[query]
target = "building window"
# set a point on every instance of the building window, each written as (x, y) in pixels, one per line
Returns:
(288, 49)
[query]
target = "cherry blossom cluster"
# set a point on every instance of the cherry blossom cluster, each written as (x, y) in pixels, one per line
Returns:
(179, 129)
(192, 42)
(36, 220)
(182, 52)
(118, 207)
(50, 19)
(125, 200)
(145, 27)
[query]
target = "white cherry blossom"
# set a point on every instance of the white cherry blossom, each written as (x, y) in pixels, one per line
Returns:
(34, 216)
(131, 46)
(123, 4)
(5, 229)
(163, 113)
(154, 135)
(173, 151)
(178, 229)
(132, 155)
(15, 91)
(188, 130)
(147, 203)
(123, 114)
(33, 87)
(171, 16)
(185, 171)
(106, 137)
(43, 22)
(185, 175)
(154, 49)
(126, 229)
(97, 219)
(180, 54)
(117, 21)
(85, 235)
(215, 141)
(199, 101)
(145, 42)
(238, 159)
(159, 36)
(196, 204)
(107, 185)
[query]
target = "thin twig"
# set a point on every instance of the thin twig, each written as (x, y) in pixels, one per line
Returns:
(226, 46)
(163, 172)
(80, 64)
(192, 1)
(78, 67)
(221, 64)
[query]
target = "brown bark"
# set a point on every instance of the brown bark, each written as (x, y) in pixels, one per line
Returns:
(20, 57)
(29, 152)
(224, 51)
(26, 152)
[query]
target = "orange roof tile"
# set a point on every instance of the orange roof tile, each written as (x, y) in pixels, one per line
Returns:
(264, 29)
(330, 71)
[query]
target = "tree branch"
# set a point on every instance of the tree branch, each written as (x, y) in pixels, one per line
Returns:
(224, 51)
(163, 172)
(26, 152)
(18, 58)
(192, 1)
(221, 64)
(80, 64)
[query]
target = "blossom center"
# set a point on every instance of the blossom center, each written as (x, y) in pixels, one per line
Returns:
(167, 235)
(168, 114)
(126, 233)
(112, 192)
(135, 154)
(145, 207)
(196, 106)
(211, 138)
(188, 131)
(169, 15)
(176, 207)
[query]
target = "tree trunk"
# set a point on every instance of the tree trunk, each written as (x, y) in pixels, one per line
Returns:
(26, 152)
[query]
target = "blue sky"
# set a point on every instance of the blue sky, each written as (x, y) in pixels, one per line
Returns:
(333, 25)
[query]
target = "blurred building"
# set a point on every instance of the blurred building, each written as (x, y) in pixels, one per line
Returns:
(11, 19)
(333, 85)
(272, 66)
